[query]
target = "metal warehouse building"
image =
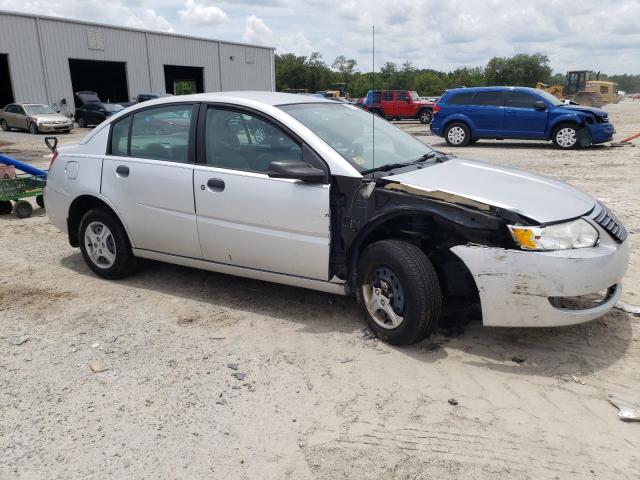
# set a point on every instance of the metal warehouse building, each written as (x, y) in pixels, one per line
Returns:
(47, 59)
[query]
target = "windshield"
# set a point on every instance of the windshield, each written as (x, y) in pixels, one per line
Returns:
(39, 109)
(351, 132)
(549, 98)
(414, 96)
(112, 107)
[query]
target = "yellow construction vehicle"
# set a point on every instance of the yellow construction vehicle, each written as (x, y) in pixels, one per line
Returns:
(584, 88)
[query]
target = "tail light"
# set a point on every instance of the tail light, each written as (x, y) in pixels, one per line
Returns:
(436, 108)
(53, 158)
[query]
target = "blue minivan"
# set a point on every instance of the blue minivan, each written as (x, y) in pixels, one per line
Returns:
(465, 115)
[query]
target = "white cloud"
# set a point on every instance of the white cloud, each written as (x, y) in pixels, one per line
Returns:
(200, 14)
(256, 31)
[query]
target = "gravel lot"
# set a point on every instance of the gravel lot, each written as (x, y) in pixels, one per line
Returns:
(210, 376)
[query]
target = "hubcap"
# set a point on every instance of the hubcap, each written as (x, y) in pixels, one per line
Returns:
(101, 247)
(566, 137)
(384, 298)
(456, 135)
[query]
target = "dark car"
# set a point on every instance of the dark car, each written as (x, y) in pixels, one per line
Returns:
(464, 115)
(95, 113)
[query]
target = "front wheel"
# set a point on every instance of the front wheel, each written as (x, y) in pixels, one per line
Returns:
(105, 246)
(33, 129)
(425, 116)
(398, 291)
(457, 135)
(565, 137)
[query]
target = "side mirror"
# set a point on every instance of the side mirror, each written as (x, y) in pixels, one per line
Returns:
(540, 105)
(296, 170)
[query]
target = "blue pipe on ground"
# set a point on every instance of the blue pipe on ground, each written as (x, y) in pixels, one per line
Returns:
(21, 165)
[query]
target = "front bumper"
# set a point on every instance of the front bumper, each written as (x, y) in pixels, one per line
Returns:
(55, 127)
(600, 132)
(516, 287)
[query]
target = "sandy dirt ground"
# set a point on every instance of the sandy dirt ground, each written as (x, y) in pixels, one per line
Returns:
(210, 376)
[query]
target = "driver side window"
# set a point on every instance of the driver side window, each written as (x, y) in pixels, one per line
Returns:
(240, 141)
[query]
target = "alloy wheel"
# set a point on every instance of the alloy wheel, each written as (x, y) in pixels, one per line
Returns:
(566, 137)
(100, 245)
(456, 135)
(384, 298)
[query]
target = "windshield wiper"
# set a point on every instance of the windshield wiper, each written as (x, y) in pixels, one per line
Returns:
(391, 166)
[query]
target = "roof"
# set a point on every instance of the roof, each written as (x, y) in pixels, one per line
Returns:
(266, 98)
(494, 87)
(118, 27)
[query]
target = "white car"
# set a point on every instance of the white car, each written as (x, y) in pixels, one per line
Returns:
(334, 199)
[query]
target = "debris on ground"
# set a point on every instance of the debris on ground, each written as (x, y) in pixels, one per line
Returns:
(232, 366)
(238, 375)
(626, 411)
(346, 360)
(578, 380)
(17, 341)
(627, 307)
(97, 366)
(518, 359)
(452, 401)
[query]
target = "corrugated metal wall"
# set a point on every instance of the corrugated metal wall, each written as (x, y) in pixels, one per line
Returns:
(19, 39)
(226, 66)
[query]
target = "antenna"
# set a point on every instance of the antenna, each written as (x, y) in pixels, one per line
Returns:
(373, 91)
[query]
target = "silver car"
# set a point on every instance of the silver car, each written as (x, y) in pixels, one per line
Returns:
(34, 117)
(335, 200)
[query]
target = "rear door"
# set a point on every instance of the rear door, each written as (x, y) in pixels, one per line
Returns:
(247, 219)
(487, 113)
(148, 176)
(521, 118)
(9, 115)
(387, 102)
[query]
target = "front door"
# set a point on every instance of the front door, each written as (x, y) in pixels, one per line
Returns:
(521, 118)
(148, 177)
(247, 219)
(403, 105)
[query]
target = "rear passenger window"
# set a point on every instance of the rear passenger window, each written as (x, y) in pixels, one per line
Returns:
(162, 133)
(387, 96)
(403, 96)
(463, 98)
(120, 137)
(520, 100)
(492, 99)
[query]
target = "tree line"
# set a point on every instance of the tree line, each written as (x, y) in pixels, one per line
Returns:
(314, 74)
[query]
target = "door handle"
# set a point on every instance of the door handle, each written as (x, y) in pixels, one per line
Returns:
(215, 185)
(122, 171)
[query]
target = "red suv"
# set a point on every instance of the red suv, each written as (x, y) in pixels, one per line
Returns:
(396, 104)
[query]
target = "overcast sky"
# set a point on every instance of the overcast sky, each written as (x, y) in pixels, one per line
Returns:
(432, 34)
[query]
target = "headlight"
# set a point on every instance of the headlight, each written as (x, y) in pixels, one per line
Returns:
(574, 234)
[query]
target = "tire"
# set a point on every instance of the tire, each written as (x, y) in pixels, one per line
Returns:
(4, 126)
(457, 135)
(5, 207)
(396, 276)
(111, 258)
(81, 122)
(565, 136)
(22, 209)
(40, 200)
(33, 129)
(425, 116)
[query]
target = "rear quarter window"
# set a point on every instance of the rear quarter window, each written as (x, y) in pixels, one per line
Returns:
(490, 98)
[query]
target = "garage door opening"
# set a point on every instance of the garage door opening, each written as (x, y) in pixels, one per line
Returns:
(6, 90)
(180, 80)
(107, 79)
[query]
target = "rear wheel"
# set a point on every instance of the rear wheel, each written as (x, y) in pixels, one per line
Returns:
(5, 207)
(398, 291)
(33, 129)
(457, 135)
(22, 209)
(4, 125)
(40, 200)
(425, 116)
(565, 137)
(105, 246)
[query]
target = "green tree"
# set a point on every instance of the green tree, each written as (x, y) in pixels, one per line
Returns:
(520, 70)
(345, 66)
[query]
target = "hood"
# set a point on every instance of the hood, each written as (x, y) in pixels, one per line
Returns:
(537, 197)
(579, 108)
(50, 117)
